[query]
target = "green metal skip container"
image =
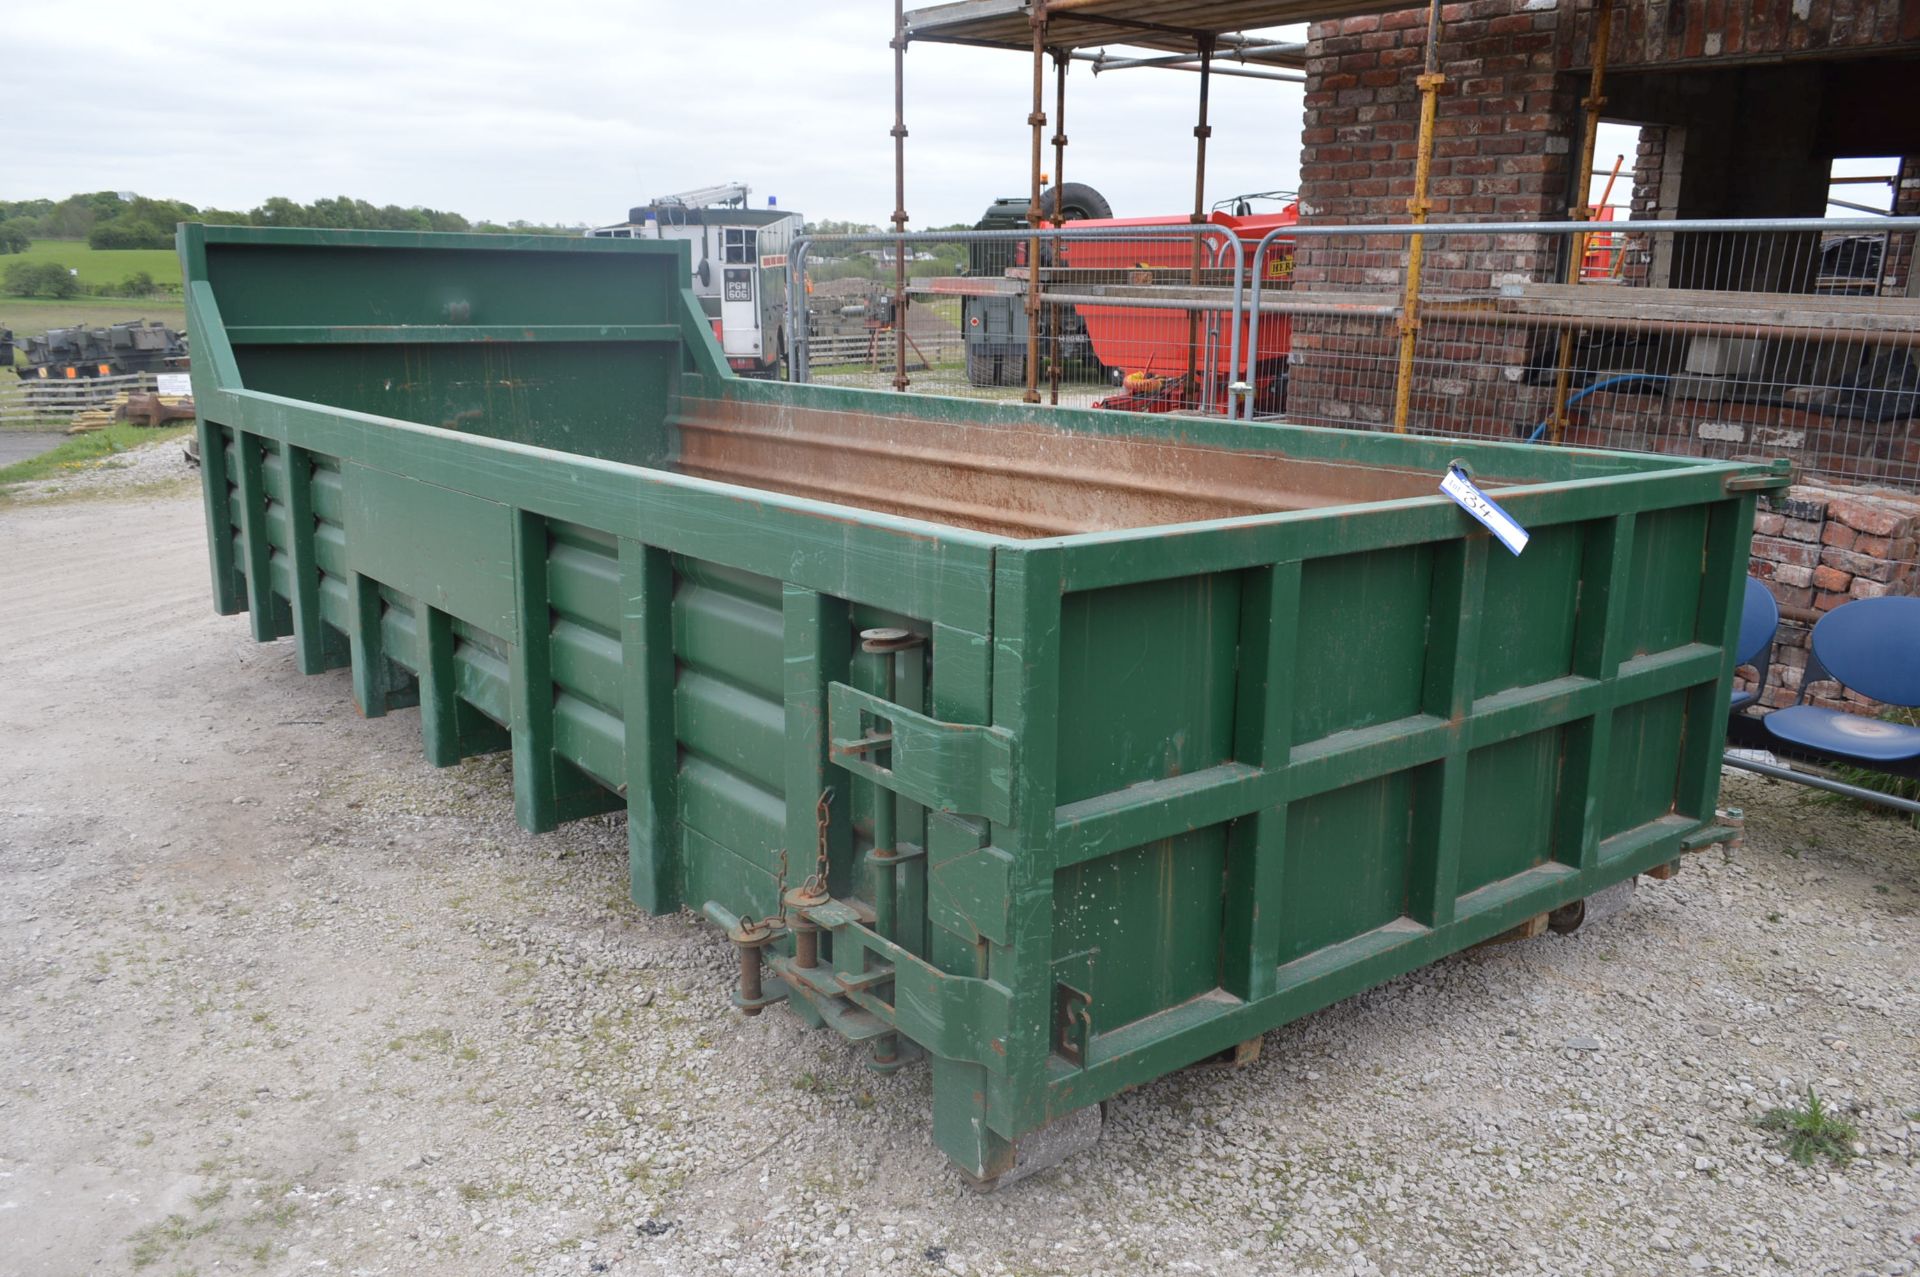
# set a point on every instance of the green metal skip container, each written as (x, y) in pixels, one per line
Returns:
(1060, 748)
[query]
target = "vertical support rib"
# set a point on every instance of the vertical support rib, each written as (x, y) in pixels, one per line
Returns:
(367, 648)
(1263, 736)
(647, 674)
(883, 881)
(1036, 121)
(1440, 794)
(1723, 585)
(910, 689)
(257, 553)
(439, 700)
(1417, 208)
(228, 589)
(530, 687)
(899, 195)
(962, 693)
(1598, 645)
(1577, 246)
(817, 646)
(1026, 700)
(962, 678)
(303, 571)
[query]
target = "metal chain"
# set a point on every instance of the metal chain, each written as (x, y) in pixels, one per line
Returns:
(822, 815)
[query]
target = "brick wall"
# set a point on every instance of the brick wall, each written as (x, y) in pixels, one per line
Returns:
(1510, 109)
(1515, 76)
(1501, 136)
(1501, 153)
(1705, 30)
(1818, 442)
(1506, 136)
(1649, 165)
(1820, 547)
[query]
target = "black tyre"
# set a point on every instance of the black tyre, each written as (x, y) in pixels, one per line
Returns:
(1566, 920)
(979, 368)
(987, 366)
(1076, 201)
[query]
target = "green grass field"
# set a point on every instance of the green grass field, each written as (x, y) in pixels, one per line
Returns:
(100, 267)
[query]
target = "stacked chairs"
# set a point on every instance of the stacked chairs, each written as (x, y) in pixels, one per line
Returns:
(1871, 646)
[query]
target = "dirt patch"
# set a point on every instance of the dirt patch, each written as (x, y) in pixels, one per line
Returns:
(278, 996)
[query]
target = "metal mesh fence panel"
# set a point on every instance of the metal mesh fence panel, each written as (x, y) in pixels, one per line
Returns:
(1784, 338)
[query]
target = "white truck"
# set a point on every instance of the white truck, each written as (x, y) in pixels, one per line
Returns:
(739, 265)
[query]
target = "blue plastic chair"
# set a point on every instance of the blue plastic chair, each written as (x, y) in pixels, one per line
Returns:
(1759, 619)
(1873, 647)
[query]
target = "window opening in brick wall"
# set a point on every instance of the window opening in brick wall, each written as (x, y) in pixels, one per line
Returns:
(1616, 162)
(1609, 257)
(1857, 264)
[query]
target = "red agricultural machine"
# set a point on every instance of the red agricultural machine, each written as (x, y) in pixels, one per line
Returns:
(1180, 358)
(1103, 322)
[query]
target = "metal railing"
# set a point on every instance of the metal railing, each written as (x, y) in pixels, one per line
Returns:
(1785, 337)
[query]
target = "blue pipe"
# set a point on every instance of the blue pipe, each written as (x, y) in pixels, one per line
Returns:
(1575, 398)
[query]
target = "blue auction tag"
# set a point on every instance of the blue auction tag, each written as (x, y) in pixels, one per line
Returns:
(1475, 503)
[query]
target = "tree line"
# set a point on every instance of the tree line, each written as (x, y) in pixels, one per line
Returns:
(107, 219)
(51, 279)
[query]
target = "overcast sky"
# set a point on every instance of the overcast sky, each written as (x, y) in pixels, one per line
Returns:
(558, 112)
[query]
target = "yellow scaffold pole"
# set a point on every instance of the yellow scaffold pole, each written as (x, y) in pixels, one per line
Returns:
(1577, 251)
(1429, 82)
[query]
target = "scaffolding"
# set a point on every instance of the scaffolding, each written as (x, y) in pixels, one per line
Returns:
(1217, 37)
(1205, 38)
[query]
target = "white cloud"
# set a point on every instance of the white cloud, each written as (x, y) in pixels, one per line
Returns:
(567, 112)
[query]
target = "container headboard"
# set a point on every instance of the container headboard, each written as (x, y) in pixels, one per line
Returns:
(562, 342)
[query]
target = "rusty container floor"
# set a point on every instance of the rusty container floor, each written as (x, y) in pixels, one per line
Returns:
(1014, 479)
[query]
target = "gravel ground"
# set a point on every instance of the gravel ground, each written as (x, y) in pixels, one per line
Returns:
(275, 996)
(163, 462)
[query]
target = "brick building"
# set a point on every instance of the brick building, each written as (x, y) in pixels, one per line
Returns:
(1745, 104)
(1742, 107)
